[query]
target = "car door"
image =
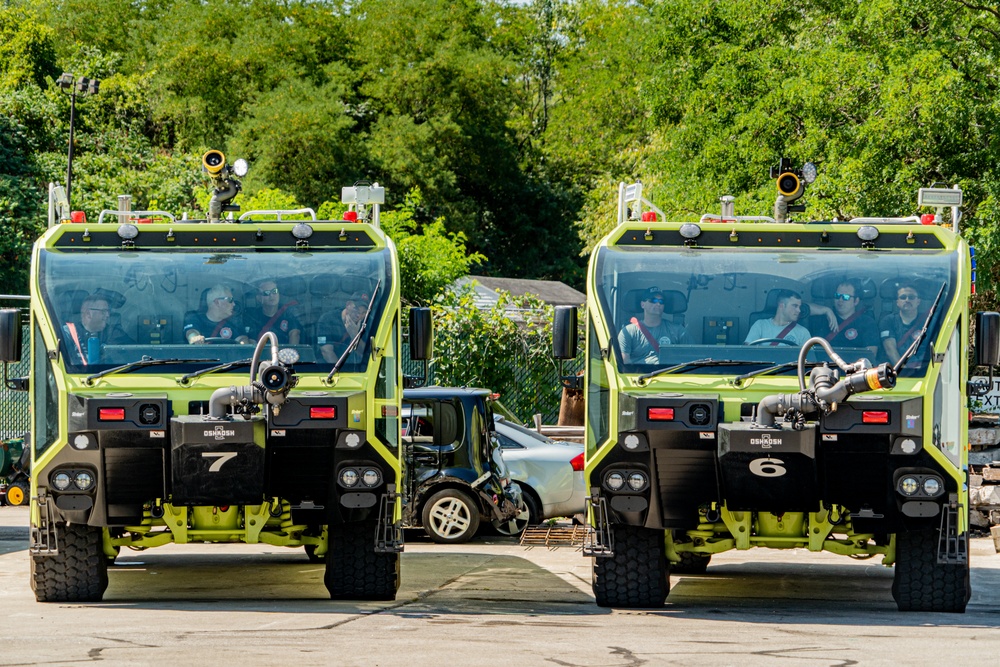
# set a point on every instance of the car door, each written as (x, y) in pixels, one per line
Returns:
(421, 455)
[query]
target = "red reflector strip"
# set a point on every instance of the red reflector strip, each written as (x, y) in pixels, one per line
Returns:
(873, 417)
(660, 414)
(111, 414)
(389, 411)
(322, 413)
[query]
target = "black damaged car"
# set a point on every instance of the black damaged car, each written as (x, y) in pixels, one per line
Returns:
(455, 477)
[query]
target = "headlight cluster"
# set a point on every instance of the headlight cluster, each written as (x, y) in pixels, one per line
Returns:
(72, 480)
(627, 480)
(920, 486)
(364, 477)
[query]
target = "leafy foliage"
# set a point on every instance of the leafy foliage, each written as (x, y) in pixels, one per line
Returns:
(504, 348)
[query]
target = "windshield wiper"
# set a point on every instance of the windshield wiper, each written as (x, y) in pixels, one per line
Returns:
(357, 337)
(777, 368)
(923, 332)
(142, 363)
(708, 361)
(184, 379)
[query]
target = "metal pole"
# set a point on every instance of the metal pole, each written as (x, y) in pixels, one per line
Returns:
(69, 163)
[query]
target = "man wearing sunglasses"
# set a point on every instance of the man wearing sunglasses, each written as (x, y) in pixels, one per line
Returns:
(272, 315)
(217, 322)
(95, 314)
(640, 341)
(899, 329)
(855, 325)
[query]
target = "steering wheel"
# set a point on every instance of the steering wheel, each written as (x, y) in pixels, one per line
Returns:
(782, 341)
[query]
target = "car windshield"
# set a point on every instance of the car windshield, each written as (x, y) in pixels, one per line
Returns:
(527, 432)
(111, 308)
(667, 306)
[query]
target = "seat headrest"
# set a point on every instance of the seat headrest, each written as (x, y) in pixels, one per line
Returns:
(292, 286)
(325, 285)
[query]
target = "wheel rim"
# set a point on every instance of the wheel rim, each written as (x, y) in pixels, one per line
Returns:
(15, 495)
(450, 518)
(516, 524)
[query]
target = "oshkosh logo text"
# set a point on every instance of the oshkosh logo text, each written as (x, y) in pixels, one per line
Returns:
(220, 433)
(766, 441)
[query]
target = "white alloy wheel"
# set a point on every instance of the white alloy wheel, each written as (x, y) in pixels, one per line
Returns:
(450, 517)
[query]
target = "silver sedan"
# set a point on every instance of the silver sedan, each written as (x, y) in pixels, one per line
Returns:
(549, 472)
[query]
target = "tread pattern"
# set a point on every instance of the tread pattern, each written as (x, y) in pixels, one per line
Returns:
(920, 583)
(638, 575)
(354, 571)
(78, 573)
(691, 563)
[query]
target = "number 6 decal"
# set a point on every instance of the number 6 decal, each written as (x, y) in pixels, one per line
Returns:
(768, 467)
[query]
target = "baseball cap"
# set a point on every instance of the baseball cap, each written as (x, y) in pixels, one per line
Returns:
(651, 293)
(360, 298)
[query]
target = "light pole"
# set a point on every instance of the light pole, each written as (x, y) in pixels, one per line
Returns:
(82, 86)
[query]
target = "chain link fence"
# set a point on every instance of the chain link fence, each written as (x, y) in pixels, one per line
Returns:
(15, 413)
(523, 394)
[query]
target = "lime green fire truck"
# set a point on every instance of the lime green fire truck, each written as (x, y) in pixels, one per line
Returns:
(201, 381)
(757, 382)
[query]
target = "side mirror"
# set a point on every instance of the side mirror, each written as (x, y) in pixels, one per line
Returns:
(421, 334)
(988, 339)
(10, 335)
(564, 332)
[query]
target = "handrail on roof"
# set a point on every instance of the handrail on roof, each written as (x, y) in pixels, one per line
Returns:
(278, 212)
(910, 220)
(135, 214)
(710, 217)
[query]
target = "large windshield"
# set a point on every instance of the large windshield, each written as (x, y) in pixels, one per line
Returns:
(112, 308)
(668, 306)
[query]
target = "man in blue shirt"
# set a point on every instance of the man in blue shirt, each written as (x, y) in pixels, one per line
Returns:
(640, 342)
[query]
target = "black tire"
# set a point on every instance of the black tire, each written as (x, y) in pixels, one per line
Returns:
(354, 571)
(921, 583)
(691, 563)
(78, 573)
(450, 516)
(638, 575)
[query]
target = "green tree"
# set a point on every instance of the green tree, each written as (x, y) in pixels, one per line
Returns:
(505, 348)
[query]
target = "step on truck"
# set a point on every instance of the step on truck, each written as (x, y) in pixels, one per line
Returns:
(200, 381)
(753, 381)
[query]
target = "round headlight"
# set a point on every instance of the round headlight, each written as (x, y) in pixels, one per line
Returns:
(349, 477)
(302, 231)
(128, 231)
(84, 480)
(690, 231)
(61, 481)
(908, 486)
(932, 486)
(867, 233)
(808, 172)
(371, 477)
(637, 481)
(615, 481)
